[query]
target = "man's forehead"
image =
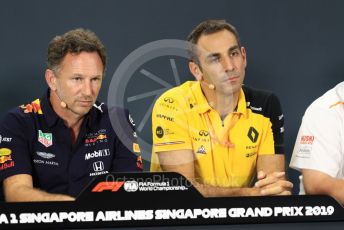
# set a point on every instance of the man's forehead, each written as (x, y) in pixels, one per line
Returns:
(82, 61)
(217, 42)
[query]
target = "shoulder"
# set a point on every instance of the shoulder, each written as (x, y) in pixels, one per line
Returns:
(257, 96)
(330, 104)
(261, 101)
(23, 113)
(114, 116)
(176, 96)
(101, 110)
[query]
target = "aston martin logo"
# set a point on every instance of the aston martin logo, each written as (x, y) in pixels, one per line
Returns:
(45, 155)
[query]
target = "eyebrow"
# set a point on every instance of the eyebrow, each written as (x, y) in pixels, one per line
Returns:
(212, 55)
(81, 75)
(233, 48)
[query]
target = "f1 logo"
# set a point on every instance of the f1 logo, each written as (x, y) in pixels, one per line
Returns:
(113, 186)
(98, 166)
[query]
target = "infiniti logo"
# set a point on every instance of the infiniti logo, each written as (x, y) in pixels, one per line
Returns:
(203, 133)
(168, 99)
(98, 166)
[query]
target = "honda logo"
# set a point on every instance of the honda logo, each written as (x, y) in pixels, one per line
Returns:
(98, 166)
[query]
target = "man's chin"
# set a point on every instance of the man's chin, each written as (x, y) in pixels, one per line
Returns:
(81, 111)
(232, 90)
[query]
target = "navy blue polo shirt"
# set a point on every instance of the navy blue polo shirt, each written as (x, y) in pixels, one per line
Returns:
(35, 141)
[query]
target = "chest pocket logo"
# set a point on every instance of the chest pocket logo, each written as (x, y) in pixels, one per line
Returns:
(45, 139)
(98, 166)
(253, 134)
(203, 133)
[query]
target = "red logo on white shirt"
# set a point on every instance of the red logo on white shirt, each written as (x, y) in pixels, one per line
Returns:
(307, 140)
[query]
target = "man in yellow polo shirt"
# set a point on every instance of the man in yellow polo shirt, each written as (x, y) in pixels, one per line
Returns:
(218, 133)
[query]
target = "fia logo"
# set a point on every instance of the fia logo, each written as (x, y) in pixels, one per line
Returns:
(98, 166)
(131, 186)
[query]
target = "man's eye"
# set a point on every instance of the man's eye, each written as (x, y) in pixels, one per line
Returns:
(76, 78)
(214, 59)
(234, 53)
(96, 79)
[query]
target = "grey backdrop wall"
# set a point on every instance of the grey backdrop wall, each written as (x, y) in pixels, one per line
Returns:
(295, 47)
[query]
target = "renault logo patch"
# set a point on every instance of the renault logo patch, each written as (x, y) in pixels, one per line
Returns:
(253, 134)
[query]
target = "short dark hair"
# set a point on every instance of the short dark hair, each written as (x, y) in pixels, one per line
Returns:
(205, 28)
(74, 41)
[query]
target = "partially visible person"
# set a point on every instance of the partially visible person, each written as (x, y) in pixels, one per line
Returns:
(319, 150)
(216, 132)
(51, 148)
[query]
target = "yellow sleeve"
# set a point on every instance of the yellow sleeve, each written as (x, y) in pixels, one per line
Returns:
(266, 146)
(170, 127)
(169, 124)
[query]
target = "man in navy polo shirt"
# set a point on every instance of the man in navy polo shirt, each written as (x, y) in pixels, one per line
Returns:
(51, 148)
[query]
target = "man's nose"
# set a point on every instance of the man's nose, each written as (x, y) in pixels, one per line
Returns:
(87, 88)
(228, 64)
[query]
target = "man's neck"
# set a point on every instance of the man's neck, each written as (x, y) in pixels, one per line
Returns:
(223, 104)
(70, 119)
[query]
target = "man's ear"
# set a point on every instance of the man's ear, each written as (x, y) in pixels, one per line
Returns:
(244, 55)
(51, 79)
(196, 71)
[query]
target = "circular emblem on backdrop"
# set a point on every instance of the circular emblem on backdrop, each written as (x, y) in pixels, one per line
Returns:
(140, 79)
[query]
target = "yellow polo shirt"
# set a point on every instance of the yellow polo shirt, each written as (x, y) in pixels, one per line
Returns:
(178, 122)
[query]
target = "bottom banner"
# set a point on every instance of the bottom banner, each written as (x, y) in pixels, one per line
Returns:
(162, 199)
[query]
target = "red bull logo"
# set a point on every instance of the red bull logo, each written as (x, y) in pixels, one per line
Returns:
(5, 155)
(34, 107)
(95, 139)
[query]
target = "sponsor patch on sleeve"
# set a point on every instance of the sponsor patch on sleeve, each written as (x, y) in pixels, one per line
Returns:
(306, 144)
(34, 107)
(136, 148)
(5, 159)
(139, 163)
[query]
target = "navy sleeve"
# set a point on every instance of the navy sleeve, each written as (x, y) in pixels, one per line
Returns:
(127, 151)
(274, 112)
(14, 145)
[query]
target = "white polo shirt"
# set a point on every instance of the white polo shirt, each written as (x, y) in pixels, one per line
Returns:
(319, 143)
